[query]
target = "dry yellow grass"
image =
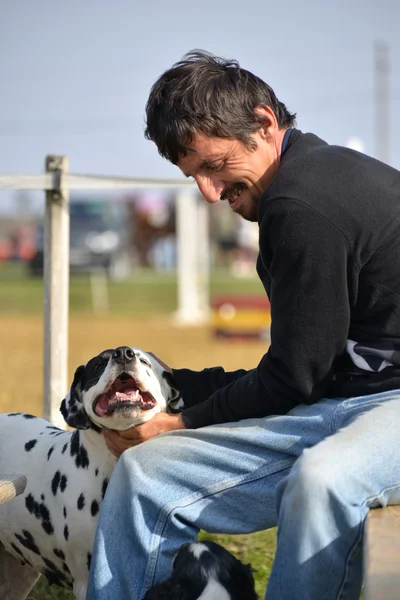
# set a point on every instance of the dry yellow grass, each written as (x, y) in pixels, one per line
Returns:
(21, 350)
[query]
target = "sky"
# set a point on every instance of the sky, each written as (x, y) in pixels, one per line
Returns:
(75, 75)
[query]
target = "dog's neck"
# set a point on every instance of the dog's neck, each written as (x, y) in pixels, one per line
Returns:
(97, 449)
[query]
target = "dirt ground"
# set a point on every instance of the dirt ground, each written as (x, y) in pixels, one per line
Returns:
(21, 351)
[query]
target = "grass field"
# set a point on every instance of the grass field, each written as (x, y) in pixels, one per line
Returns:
(139, 315)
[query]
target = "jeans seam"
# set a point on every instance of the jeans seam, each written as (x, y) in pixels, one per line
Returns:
(335, 417)
(356, 544)
(380, 495)
(192, 499)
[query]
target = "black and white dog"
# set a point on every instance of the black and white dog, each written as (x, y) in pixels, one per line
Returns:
(205, 571)
(50, 528)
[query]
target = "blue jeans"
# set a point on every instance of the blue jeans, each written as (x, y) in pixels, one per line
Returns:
(314, 472)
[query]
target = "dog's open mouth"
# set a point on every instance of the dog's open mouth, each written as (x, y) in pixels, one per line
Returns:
(124, 394)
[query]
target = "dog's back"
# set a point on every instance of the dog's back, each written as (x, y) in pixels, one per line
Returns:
(205, 571)
(51, 526)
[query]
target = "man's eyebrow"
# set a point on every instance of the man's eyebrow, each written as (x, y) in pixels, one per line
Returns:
(206, 163)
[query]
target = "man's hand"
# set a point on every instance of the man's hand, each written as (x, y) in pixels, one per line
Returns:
(118, 441)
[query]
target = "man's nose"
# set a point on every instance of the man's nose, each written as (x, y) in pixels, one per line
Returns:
(210, 189)
(123, 354)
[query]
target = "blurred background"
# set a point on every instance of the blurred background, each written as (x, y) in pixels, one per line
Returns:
(75, 78)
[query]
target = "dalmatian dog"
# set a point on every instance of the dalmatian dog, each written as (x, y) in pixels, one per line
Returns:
(50, 528)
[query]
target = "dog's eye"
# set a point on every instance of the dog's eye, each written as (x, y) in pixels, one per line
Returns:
(100, 362)
(144, 361)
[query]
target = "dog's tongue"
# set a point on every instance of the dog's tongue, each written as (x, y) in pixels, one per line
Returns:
(106, 401)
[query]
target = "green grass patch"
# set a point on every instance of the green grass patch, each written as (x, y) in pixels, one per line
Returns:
(145, 292)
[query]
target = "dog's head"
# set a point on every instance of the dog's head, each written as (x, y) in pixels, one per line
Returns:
(117, 389)
(205, 570)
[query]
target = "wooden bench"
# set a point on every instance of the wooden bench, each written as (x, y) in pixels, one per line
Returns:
(11, 486)
(382, 554)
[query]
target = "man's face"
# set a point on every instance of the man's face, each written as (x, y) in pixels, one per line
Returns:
(226, 169)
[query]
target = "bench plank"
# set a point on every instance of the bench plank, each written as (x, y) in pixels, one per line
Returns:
(11, 486)
(382, 554)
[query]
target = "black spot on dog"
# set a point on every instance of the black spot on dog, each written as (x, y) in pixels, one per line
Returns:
(27, 540)
(79, 451)
(17, 550)
(41, 512)
(89, 560)
(63, 483)
(14, 414)
(55, 482)
(104, 488)
(64, 448)
(66, 532)
(53, 428)
(81, 502)
(94, 508)
(49, 563)
(42, 497)
(96, 472)
(26, 416)
(31, 505)
(54, 575)
(30, 445)
(59, 553)
(48, 527)
(24, 560)
(65, 567)
(50, 452)
(65, 512)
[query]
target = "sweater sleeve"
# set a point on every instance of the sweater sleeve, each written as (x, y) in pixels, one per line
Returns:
(307, 259)
(197, 386)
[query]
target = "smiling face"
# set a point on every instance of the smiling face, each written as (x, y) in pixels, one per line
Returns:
(227, 169)
(118, 389)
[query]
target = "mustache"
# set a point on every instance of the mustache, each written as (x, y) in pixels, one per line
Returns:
(233, 189)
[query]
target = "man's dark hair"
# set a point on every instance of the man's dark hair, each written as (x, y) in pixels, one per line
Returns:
(207, 94)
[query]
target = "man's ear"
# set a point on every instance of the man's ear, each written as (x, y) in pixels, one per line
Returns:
(268, 121)
(174, 401)
(72, 408)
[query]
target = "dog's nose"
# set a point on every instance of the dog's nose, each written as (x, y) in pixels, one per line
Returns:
(123, 354)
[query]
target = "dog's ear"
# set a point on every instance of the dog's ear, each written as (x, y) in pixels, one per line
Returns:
(72, 408)
(174, 402)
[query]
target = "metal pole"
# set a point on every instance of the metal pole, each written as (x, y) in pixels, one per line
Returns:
(191, 308)
(203, 257)
(382, 101)
(56, 291)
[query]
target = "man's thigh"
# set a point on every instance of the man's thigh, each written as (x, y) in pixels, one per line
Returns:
(362, 456)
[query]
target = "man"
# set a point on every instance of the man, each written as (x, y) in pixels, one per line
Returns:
(308, 440)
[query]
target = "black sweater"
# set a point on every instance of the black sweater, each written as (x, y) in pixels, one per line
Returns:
(330, 263)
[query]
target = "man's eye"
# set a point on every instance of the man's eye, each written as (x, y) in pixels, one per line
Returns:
(216, 168)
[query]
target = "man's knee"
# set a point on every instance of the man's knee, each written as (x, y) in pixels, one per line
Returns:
(311, 480)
